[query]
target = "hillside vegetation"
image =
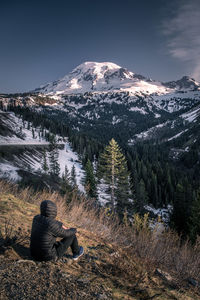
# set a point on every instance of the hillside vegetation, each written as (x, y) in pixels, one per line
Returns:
(120, 261)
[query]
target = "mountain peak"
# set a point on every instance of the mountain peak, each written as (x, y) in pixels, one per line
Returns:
(186, 82)
(96, 70)
(94, 64)
(91, 76)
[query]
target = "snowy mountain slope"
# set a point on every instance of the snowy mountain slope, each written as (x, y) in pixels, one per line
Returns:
(99, 77)
(185, 125)
(192, 115)
(104, 77)
(144, 105)
(14, 130)
(21, 152)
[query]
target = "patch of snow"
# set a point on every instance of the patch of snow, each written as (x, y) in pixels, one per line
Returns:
(147, 133)
(103, 196)
(177, 135)
(8, 171)
(157, 116)
(140, 110)
(191, 116)
(69, 158)
(115, 120)
(164, 213)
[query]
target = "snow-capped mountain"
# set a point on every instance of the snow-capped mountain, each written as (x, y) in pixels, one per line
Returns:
(102, 77)
(94, 84)
(104, 99)
(106, 76)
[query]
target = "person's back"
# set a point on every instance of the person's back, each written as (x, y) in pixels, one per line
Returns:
(45, 230)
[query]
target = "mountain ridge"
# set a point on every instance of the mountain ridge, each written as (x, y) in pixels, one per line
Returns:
(106, 76)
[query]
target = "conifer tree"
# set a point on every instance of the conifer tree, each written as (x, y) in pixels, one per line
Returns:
(53, 156)
(73, 177)
(113, 169)
(194, 220)
(90, 181)
(141, 197)
(33, 133)
(44, 162)
(65, 183)
(178, 218)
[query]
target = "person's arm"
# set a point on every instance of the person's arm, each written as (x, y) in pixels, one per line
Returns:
(58, 230)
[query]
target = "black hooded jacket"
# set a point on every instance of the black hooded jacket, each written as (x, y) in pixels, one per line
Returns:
(45, 230)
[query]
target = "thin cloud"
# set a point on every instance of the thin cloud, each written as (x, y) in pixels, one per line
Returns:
(183, 33)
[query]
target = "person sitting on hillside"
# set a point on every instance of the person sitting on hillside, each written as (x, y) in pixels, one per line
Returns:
(45, 230)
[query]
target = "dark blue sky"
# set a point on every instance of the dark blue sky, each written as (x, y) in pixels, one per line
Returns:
(41, 41)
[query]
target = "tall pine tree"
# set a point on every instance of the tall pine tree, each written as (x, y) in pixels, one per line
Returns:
(73, 177)
(65, 183)
(113, 169)
(90, 180)
(44, 162)
(53, 156)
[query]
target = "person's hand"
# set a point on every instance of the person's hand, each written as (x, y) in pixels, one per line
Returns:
(64, 227)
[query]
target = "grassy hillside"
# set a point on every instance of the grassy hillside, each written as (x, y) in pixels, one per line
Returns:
(116, 264)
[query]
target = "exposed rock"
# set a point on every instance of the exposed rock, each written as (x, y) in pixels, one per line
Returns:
(164, 275)
(26, 261)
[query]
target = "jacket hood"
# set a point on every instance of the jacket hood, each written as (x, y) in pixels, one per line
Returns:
(48, 209)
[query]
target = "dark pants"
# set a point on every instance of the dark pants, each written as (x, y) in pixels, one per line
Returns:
(65, 243)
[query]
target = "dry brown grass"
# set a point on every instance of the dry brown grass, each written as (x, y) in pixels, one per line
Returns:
(166, 250)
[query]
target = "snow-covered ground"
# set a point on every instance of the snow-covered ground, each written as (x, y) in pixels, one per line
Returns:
(137, 109)
(177, 135)
(163, 213)
(26, 135)
(146, 134)
(69, 158)
(32, 161)
(192, 115)
(9, 172)
(103, 196)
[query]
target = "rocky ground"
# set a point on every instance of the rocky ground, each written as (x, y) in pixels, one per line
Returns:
(26, 279)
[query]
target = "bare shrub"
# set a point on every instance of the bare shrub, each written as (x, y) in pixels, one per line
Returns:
(10, 235)
(166, 250)
(7, 187)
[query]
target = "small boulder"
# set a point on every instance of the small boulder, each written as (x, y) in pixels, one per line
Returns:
(164, 275)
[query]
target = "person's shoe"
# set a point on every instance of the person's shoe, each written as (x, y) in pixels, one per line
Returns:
(81, 251)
